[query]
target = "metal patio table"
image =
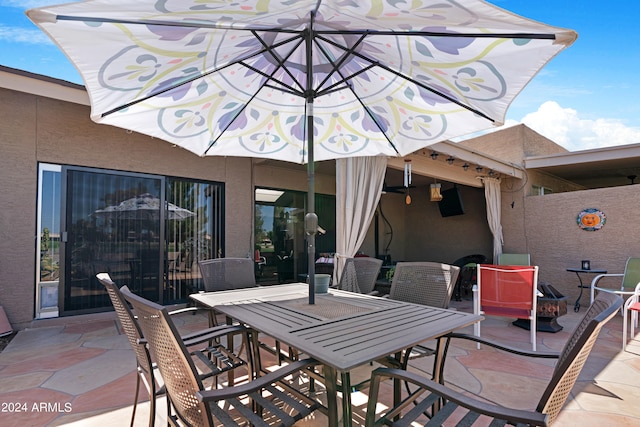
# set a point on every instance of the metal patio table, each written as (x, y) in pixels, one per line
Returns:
(343, 330)
(582, 286)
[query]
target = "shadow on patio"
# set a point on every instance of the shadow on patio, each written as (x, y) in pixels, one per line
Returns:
(80, 371)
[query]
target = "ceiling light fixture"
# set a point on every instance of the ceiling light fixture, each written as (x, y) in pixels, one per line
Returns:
(434, 155)
(434, 192)
(478, 168)
(450, 160)
(465, 166)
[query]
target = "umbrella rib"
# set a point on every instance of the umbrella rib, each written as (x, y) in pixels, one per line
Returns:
(201, 75)
(281, 62)
(537, 36)
(345, 80)
(413, 81)
(284, 86)
(221, 25)
(337, 65)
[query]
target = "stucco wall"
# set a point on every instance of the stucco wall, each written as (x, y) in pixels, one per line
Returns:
(37, 129)
(17, 198)
(556, 243)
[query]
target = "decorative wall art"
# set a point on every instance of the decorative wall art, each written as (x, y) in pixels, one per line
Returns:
(591, 219)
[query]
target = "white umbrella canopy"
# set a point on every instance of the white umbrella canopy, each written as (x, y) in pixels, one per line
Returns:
(301, 80)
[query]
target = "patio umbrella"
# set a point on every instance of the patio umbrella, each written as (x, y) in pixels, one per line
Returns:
(143, 207)
(301, 80)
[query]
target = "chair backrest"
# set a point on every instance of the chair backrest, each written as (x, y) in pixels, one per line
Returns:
(221, 274)
(507, 290)
(367, 270)
(359, 274)
(128, 324)
(427, 283)
(631, 274)
(172, 358)
(514, 259)
(575, 353)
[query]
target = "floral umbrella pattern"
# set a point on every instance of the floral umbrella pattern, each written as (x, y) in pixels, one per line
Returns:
(230, 77)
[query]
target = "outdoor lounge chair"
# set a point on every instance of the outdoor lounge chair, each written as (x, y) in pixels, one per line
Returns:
(225, 360)
(359, 275)
(465, 409)
(267, 397)
(508, 291)
(630, 278)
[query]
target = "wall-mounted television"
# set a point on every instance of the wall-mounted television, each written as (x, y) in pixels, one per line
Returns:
(451, 203)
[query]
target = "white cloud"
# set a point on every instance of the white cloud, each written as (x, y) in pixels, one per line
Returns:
(23, 35)
(565, 127)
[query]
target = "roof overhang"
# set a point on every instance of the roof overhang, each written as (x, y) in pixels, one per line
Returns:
(37, 84)
(423, 164)
(597, 167)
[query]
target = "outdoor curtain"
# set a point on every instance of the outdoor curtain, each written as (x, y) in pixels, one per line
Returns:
(359, 182)
(494, 214)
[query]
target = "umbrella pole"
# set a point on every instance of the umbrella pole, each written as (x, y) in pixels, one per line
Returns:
(311, 219)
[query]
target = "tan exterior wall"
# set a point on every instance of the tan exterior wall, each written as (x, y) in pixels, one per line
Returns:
(38, 129)
(17, 198)
(554, 240)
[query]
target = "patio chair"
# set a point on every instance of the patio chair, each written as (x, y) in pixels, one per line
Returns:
(426, 283)
(465, 408)
(264, 400)
(630, 312)
(514, 259)
(508, 291)
(630, 278)
(359, 275)
(222, 274)
(225, 360)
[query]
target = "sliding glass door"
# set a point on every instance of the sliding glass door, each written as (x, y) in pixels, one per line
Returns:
(113, 224)
(147, 231)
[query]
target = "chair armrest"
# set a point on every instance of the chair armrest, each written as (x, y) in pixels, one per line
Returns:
(212, 333)
(596, 279)
(466, 401)
(499, 346)
(594, 284)
(215, 395)
(186, 310)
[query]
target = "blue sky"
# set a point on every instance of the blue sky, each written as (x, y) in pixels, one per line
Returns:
(586, 97)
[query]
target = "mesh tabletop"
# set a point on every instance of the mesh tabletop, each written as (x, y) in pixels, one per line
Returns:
(327, 308)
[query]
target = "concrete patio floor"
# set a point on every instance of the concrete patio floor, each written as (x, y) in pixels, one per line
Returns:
(80, 371)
